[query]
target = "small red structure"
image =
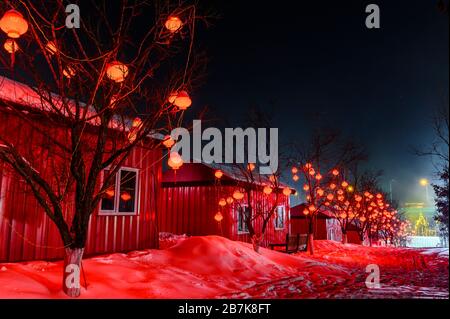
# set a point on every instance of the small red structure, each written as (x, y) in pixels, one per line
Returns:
(190, 202)
(121, 223)
(299, 224)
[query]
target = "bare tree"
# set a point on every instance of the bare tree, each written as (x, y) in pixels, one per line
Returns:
(94, 93)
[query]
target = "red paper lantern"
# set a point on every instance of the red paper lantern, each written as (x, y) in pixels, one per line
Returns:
(183, 100)
(13, 24)
(125, 196)
(173, 24)
(168, 141)
(117, 71)
(175, 161)
(11, 46)
(218, 174)
(238, 195)
(267, 190)
(286, 191)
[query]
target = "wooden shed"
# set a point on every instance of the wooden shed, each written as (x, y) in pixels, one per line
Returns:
(26, 233)
(190, 199)
(299, 224)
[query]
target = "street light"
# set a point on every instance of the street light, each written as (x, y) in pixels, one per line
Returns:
(424, 183)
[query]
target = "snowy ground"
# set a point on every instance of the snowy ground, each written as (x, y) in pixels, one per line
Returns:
(214, 267)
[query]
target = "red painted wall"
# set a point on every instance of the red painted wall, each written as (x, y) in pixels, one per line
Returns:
(300, 226)
(26, 233)
(190, 210)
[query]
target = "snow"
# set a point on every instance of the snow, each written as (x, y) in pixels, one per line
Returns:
(215, 267)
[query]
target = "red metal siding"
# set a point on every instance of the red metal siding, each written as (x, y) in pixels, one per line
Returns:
(300, 226)
(26, 233)
(190, 210)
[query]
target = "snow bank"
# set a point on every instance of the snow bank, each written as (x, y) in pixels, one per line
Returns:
(167, 240)
(215, 267)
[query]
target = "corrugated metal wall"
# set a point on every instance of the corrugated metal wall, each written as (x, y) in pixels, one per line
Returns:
(26, 233)
(190, 210)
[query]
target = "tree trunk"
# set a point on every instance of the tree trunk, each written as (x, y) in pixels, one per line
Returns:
(311, 244)
(344, 238)
(256, 241)
(72, 271)
(311, 236)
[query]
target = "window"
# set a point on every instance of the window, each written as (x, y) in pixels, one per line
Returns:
(121, 197)
(242, 215)
(279, 217)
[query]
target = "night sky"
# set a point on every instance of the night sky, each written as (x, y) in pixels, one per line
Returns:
(305, 57)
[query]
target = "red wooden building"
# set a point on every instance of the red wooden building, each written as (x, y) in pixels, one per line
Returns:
(326, 226)
(183, 203)
(26, 233)
(190, 198)
(323, 228)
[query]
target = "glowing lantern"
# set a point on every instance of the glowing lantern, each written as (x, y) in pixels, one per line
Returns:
(168, 141)
(13, 24)
(230, 200)
(69, 72)
(335, 172)
(267, 190)
(173, 24)
(125, 196)
(132, 135)
(306, 187)
(137, 122)
(350, 188)
(218, 174)
(340, 192)
(379, 196)
(110, 193)
(11, 46)
(175, 161)
(330, 196)
(340, 198)
(311, 208)
(182, 101)
(362, 219)
(295, 178)
(343, 216)
(358, 198)
(117, 71)
(312, 172)
(172, 97)
(327, 203)
(308, 165)
(294, 170)
(332, 186)
(318, 176)
(286, 191)
(305, 211)
(218, 217)
(367, 194)
(51, 47)
(222, 202)
(238, 195)
(308, 198)
(344, 184)
(251, 167)
(320, 192)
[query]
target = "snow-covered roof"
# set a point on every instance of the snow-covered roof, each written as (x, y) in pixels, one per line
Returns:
(22, 94)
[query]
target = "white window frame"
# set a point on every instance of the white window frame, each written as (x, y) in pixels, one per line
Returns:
(241, 232)
(276, 218)
(115, 211)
